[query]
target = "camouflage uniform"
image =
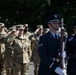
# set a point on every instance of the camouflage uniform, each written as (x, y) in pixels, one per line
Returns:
(27, 56)
(36, 59)
(21, 55)
(28, 35)
(9, 52)
(3, 34)
(34, 44)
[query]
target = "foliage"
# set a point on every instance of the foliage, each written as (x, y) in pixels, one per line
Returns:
(33, 11)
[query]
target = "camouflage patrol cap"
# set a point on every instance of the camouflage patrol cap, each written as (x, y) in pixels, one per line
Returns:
(19, 26)
(12, 29)
(2, 24)
(26, 25)
(40, 26)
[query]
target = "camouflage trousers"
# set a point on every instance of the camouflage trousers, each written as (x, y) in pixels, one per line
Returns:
(36, 66)
(36, 62)
(20, 69)
(8, 66)
(2, 65)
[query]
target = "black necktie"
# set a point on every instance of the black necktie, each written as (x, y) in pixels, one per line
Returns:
(55, 37)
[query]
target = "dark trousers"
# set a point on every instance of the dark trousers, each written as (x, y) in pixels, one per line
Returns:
(71, 74)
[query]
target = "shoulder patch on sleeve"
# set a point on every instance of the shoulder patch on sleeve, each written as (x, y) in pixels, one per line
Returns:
(70, 39)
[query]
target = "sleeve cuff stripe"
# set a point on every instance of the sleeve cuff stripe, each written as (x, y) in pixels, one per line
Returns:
(51, 65)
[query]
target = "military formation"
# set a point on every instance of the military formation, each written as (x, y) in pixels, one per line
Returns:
(18, 47)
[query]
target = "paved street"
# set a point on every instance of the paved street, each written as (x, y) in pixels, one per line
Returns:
(31, 71)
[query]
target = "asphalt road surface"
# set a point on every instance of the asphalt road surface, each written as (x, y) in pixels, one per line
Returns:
(31, 69)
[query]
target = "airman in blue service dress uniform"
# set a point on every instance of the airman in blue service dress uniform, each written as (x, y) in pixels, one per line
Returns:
(71, 49)
(49, 48)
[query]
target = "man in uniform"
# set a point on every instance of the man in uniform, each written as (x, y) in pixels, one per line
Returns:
(9, 50)
(71, 49)
(28, 35)
(34, 43)
(49, 48)
(26, 32)
(3, 34)
(21, 54)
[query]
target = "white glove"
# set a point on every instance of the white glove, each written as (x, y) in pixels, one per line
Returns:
(59, 71)
(64, 54)
(64, 70)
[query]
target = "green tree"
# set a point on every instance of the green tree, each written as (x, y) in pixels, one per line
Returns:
(34, 12)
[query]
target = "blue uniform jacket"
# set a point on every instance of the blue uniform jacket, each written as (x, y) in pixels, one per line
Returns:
(48, 48)
(71, 49)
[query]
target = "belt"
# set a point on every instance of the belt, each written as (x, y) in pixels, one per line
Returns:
(72, 55)
(54, 59)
